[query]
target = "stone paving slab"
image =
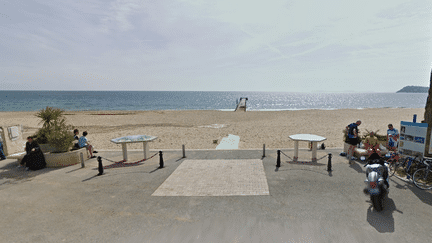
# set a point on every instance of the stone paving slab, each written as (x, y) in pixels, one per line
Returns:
(216, 178)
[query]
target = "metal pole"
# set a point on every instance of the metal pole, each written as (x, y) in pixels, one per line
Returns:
(82, 160)
(161, 162)
(100, 167)
(263, 150)
(184, 151)
(329, 165)
(278, 158)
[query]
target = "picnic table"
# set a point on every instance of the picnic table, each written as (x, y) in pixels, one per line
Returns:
(145, 139)
(306, 137)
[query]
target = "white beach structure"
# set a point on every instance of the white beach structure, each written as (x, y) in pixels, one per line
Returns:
(241, 106)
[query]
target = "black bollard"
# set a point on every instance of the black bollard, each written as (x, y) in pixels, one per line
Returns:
(161, 163)
(184, 151)
(278, 158)
(100, 167)
(329, 162)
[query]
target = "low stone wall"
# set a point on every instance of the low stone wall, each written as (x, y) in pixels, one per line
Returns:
(65, 159)
(58, 159)
(362, 152)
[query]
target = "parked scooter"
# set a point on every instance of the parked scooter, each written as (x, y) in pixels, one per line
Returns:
(376, 180)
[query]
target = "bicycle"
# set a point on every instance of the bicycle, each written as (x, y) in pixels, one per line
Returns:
(392, 160)
(406, 166)
(422, 177)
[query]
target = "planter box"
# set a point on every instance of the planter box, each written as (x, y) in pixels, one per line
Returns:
(58, 159)
(65, 159)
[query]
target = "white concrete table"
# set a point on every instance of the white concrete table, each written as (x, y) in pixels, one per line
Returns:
(306, 137)
(145, 139)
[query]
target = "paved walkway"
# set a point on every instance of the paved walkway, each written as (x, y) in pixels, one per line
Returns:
(305, 203)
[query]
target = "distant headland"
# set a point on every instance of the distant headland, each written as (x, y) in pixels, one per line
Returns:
(413, 89)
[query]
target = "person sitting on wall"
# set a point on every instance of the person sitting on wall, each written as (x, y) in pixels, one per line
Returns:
(83, 142)
(371, 144)
(76, 133)
(34, 158)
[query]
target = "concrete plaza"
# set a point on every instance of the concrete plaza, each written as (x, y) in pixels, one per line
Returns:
(247, 200)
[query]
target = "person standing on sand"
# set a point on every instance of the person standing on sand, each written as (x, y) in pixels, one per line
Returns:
(352, 133)
(83, 142)
(392, 137)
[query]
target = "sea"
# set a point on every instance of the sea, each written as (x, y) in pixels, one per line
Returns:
(197, 100)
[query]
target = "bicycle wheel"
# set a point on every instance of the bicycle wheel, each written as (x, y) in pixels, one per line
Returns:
(399, 169)
(392, 168)
(422, 178)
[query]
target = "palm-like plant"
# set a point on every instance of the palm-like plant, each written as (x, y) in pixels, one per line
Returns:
(54, 129)
(49, 115)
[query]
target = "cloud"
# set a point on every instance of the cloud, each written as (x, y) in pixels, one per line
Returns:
(219, 45)
(119, 14)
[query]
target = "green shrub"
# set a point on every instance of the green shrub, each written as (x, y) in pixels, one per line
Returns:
(54, 129)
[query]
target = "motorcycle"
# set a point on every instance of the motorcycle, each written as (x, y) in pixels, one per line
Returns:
(376, 181)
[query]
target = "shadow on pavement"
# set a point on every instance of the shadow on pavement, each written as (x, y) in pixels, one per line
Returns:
(357, 167)
(10, 174)
(383, 221)
(322, 172)
(108, 174)
(423, 195)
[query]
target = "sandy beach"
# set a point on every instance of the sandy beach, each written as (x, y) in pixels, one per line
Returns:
(198, 128)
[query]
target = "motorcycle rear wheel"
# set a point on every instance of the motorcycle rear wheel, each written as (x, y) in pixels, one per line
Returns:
(377, 202)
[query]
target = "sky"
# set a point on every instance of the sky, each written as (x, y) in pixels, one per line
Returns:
(220, 45)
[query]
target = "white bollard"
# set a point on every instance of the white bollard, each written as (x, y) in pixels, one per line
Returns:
(82, 160)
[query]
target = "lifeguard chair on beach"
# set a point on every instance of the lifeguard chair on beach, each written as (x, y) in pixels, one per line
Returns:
(241, 106)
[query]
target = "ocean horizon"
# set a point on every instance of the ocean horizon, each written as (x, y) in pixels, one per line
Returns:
(203, 100)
